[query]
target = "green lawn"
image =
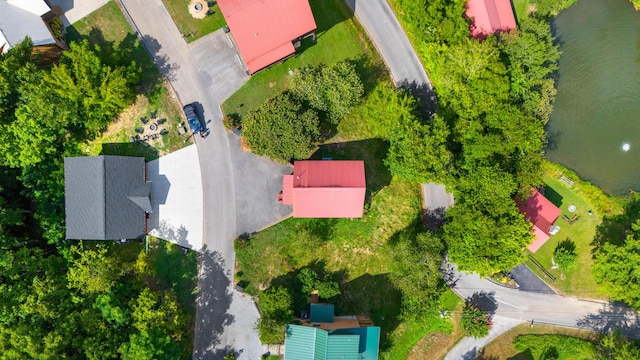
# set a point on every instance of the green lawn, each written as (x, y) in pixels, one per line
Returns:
(191, 27)
(579, 281)
(106, 28)
(521, 8)
(338, 38)
(503, 347)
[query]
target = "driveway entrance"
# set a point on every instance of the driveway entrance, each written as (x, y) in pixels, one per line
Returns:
(176, 198)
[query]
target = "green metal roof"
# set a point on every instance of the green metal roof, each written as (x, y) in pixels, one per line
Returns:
(369, 340)
(305, 343)
(310, 343)
(343, 347)
(321, 313)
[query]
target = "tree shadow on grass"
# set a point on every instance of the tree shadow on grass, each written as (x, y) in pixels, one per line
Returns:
(131, 48)
(177, 271)
(136, 148)
(613, 229)
(328, 13)
(372, 151)
(374, 296)
(552, 195)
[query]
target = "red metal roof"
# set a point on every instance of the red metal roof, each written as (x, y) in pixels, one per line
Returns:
(327, 188)
(287, 190)
(264, 29)
(490, 16)
(539, 211)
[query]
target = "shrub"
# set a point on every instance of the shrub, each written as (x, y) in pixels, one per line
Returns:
(475, 322)
(565, 255)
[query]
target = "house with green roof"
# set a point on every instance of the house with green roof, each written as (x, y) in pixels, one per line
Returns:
(328, 337)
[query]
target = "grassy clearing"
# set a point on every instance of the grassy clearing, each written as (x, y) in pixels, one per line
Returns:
(580, 280)
(107, 27)
(502, 347)
(441, 336)
(190, 27)
(521, 9)
(339, 37)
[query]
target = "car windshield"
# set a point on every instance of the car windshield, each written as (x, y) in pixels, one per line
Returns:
(194, 124)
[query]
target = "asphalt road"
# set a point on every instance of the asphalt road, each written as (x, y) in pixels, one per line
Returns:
(543, 308)
(217, 328)
(392, 43)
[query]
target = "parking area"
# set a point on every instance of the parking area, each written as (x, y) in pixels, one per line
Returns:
(176, 198)
(217, 55)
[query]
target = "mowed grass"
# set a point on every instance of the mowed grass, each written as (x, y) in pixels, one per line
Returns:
(521, 9)
(107, 27)
(338, 37)
(578, 281)
(190, 27)
(502, 347)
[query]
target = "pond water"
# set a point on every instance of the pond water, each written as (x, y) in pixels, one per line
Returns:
(595, 125)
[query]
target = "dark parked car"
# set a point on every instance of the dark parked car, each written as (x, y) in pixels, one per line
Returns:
(196, 123)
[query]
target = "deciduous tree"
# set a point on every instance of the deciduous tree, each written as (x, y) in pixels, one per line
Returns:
(281, 128)
(333, 89)
(615, 268)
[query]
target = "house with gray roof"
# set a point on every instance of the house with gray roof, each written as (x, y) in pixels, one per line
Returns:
(34, 19)
(106, 197)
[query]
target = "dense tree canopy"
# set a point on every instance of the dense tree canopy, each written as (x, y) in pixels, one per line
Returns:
(486, 143)
(276, 311)
(281, 128)
(59, 301)
(46, 113)
(416, 272)
(615, 267)
(333, 90)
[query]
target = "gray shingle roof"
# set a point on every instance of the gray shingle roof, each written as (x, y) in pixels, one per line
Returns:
(16, 24)
(105, 197)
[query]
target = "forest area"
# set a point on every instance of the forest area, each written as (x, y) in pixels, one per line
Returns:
(63, 298)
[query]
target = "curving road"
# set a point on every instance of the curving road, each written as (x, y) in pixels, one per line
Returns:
(382, 26)
(238, 189)
(512, 307)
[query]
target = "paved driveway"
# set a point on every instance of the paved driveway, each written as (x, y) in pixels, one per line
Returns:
(435, 202)
(176, 198)
(216, 55)
(75, 10)
(236, 188)
(528, 281)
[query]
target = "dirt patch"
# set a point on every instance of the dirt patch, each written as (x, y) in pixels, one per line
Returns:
(436, 345)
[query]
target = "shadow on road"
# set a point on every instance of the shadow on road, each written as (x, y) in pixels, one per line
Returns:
(167, 69)
(214, 300)
(424, 93)
(484, 300)
(611, 317)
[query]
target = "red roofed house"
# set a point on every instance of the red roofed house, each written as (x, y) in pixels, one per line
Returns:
(325, 189)
(265, 30)
(490, 16)
(539, 211)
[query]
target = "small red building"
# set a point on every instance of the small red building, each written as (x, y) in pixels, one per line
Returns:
(540, 212)
(325, 189)
(265, 30)
(490, 16)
